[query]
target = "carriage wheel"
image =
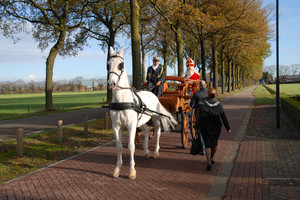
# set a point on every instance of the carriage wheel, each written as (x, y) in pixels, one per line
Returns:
(184, 131)
(193, 121)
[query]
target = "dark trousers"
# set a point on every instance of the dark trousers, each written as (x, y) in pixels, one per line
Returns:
(157, 90)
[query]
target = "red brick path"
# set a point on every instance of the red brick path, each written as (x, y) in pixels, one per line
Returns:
(175, 175)
(246, 177)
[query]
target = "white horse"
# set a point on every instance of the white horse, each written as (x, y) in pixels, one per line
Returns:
(123, 112)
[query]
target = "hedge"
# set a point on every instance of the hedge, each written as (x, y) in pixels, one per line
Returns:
(292, 106)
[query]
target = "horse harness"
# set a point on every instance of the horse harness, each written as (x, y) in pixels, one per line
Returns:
(120, 67)
(139, 106)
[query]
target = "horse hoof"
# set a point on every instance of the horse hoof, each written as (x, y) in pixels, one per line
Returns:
(132, 175)
(156, 155)
(116, 173)
(148, 155)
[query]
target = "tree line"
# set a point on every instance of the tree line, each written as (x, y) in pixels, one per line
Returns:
(77, 84)
(229, 37)
(285, 71)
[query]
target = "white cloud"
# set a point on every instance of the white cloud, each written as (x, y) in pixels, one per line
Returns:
(32, 77)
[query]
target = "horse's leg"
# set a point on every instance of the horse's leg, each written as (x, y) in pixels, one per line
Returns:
(145, 130)
(157, 131)
(131, 147)
(118, 135)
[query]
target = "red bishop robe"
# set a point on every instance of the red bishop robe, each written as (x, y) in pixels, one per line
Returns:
(194, 77)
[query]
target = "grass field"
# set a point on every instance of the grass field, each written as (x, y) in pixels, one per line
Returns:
(14, 106)
(289, 89)
(262, 96)
(41, 150)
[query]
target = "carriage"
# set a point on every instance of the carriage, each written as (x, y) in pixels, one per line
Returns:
(132, 109)
(176, 98)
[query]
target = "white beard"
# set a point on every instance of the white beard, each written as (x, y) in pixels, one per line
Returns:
(189, 72)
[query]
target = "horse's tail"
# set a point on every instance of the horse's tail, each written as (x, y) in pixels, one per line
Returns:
(167, 120)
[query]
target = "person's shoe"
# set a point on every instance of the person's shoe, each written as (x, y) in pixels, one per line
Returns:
(208, 167)
(202, 153)
(212, 161)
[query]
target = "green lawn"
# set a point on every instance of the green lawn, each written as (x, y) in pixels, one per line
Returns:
(289, 89)
(14, 106)
(42, 149)
(262, 96)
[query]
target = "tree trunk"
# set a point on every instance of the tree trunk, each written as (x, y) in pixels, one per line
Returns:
(233, 77)
(143, 67)
(243, 78)
(223, 72)
(165, 57)
(179, 47)
(111, 43)
(215, 66)
(238, 74)
(135, 45)
(203, 61)
(49, 70)
(229, 75)
(143, 59)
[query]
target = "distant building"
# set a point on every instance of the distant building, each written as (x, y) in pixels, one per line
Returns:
(290, 79)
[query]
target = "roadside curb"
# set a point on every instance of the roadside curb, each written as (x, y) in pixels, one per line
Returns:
(220, 183)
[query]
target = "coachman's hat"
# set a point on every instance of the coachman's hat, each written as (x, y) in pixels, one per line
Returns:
(156, 59)
(189, 62)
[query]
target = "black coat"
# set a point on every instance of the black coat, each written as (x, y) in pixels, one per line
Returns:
(156, 75)
(209, 114)
(197, 96)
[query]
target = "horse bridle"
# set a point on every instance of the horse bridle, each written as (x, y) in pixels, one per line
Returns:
(121, 68)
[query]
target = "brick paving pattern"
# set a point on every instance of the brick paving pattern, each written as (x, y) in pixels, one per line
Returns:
(246, 177)
(175, 175)
(277, 158)
(264, 164)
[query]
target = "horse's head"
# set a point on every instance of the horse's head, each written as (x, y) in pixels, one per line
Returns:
(115, 68)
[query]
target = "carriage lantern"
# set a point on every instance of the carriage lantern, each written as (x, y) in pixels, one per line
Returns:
(189, 93)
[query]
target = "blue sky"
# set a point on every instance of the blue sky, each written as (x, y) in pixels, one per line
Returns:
(23, 60)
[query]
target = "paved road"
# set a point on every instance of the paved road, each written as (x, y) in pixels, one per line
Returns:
(174, 175)
(8, 129)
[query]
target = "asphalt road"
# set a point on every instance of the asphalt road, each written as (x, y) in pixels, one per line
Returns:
(32, 125)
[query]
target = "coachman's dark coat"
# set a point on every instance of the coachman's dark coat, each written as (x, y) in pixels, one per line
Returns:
(156, 75)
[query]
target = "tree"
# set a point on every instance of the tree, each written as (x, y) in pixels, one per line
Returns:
(268, 78)
(284, 70)
(103, 22)
(148, 31)
(78, 81)
(173, 13)
(52, 22)
(135, 44)
(295, 68)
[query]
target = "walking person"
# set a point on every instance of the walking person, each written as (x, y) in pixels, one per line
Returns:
(197, 96)
(210, 113)
(155, 78)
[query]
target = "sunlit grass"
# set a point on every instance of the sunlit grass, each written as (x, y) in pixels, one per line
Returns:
(42, 149)
(263, 96)
(289, 89)
(13, 106)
